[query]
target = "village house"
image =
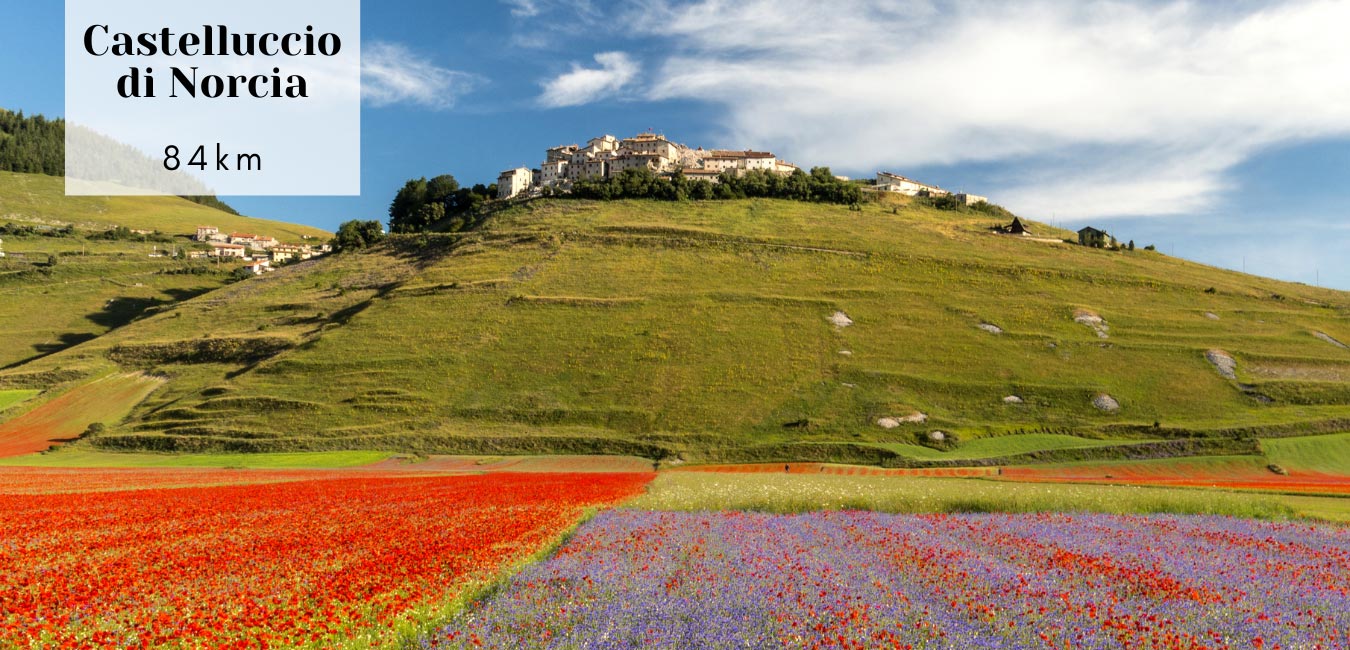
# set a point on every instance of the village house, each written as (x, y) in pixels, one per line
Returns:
(258, 267)
(264, 243)
(197, 255)
(514, 182)
(1095, 238)
(204, 233)
(969, 199)
(243, 238)
(2, 248)
(694, 174)
(238, 251)
(283, 253)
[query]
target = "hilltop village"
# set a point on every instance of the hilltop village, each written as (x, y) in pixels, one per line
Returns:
(606, 157)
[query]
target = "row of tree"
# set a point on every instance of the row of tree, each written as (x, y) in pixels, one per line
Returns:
(820, 186)
(32, 145)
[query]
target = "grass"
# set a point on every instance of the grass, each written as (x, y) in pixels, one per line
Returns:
(10, 398)
(82, 457)
(36, 198)
(98, 285)
(1327, 454)
(784, 493)
(998, 446)
(685, 328)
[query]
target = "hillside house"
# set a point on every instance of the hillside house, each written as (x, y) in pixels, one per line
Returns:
(710, 175)
(237, 251)
(514, 182)
(889, 182)
(722, 160)
(198, 255)
(969, 199)
(1095, 238)
(258, 267)
(243, 238)
(205, 233)
(264, 243)
(283, 253)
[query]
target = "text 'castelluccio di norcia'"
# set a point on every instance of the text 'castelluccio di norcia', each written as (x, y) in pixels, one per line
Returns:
(211, 41)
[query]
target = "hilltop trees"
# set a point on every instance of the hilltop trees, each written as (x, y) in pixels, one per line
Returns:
(820, 186)
(355, 235)
(423, 204)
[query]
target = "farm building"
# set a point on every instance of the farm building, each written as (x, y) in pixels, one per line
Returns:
(1014, 228)
(1094, 238)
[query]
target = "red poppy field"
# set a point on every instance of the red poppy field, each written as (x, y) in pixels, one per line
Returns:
(304, 563)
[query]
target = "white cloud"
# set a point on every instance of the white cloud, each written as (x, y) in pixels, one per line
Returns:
(586, 85)
(392, 74)
(1108, 107)
(523, 8)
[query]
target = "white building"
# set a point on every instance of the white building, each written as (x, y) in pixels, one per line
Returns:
(970, 199)
(229, 250)
(514, 182)
(2, 248)
(204, 233)
(909, 187)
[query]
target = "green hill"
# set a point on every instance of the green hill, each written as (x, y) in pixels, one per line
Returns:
(38, 199)
(734, 330)
(98, 284)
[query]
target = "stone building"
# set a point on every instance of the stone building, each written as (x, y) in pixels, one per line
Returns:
(1090, 236)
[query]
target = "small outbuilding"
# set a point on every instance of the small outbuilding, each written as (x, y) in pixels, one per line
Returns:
(1014, 228)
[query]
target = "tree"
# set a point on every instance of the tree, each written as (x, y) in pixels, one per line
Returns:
(1131, 245)
(441, 188)
(406, 204)
(355, 235)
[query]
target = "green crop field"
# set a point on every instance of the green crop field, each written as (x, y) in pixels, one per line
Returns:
(786, 493)
(72, 457)
(738, 330)
(1327, 454)
(10, 398)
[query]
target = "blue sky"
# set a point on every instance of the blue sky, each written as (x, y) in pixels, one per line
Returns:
(1219, 131)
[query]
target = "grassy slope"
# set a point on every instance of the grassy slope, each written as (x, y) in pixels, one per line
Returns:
(1326, 454)
(641, 327)
(32, 198)
(98, 285)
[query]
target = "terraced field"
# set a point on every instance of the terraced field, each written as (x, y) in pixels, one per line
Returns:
(741, 331)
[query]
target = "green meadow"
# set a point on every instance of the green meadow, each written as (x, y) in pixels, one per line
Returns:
(751, 330)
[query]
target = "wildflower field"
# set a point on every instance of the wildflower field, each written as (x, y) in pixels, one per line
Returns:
(328, 562)
(851, 579)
